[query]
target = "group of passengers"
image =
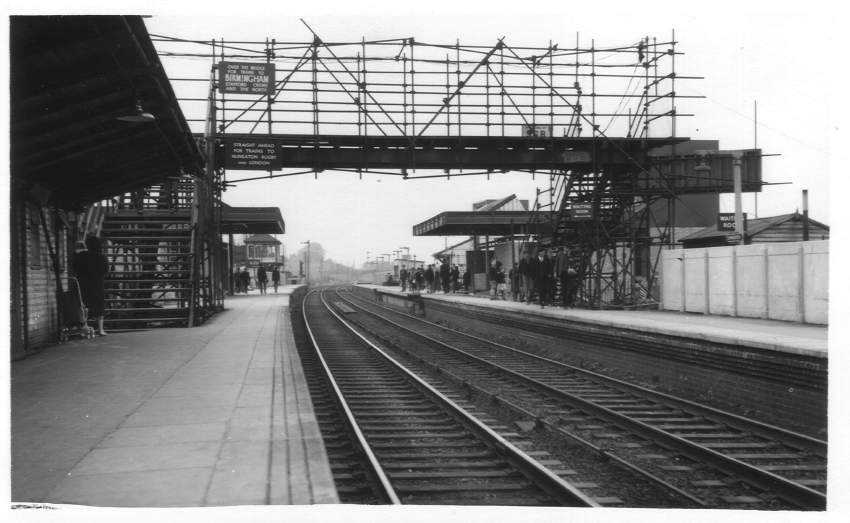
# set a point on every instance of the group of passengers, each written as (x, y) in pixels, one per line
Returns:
(535, 278)
(242, 279)
(538, 276)
(440, 276)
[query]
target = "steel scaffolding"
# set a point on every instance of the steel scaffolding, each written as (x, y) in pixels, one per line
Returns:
(599, 121)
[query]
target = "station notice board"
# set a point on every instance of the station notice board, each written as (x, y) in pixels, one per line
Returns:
(246, 78)
(582, 211)
(253, 155)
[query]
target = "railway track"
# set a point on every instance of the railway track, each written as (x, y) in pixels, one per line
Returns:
(710, 457)
(409, 442)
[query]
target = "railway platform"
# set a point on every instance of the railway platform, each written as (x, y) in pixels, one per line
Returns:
(795, 338)
(210, 416)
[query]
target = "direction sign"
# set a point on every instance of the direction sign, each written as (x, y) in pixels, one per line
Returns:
(582, 211)
(726, 221)
(245, 78)
(575, 157)
(253, 155)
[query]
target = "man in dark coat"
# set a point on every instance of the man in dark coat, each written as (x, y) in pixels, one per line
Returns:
(444, 276)
(429, 278)
(262, 278)
(246, 280)
(402, 276)
(542, 271)
(275, 277)
(454, 275)
(419, 279)
(559, 271)
(526, 275)
(513, 276)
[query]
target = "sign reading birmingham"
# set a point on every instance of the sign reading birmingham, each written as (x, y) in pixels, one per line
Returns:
(252, 155)
(245, 78)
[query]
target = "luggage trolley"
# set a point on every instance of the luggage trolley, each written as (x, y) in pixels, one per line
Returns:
(74, 313)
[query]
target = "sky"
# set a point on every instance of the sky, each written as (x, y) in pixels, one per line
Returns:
(744, 55)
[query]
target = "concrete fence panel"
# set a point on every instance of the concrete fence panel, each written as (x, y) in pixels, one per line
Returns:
(782, 281)
(721, 290)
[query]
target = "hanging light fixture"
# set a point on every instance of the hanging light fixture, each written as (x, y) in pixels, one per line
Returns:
(138, 116)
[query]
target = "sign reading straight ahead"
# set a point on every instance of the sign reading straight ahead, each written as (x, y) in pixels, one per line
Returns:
(582, 211)
(253, 155)
(245, 78)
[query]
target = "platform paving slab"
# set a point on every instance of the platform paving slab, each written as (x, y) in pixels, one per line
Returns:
(172, 417)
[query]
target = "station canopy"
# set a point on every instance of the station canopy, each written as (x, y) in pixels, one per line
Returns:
(93, 114)
(477, 223)
(251, 220)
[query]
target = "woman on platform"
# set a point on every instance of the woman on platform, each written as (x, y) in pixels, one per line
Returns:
(91, 267)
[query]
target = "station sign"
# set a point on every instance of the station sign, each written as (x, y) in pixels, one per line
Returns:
(575, 157)
(538, 131)
(582, 211)
(246, 78)
(726, 221)
(253, 155)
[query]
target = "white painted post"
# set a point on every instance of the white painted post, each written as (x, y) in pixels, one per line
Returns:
(736, 179)
(766, 283)
(735, 281)
(707, 285)
(802, 286)
(684, 307)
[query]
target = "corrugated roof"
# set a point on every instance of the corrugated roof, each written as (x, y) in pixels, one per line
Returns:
(754, 226)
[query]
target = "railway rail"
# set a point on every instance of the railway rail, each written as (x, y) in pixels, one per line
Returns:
(414, 444)
(708, 456)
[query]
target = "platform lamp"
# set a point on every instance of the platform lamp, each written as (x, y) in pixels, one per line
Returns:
(139, 115)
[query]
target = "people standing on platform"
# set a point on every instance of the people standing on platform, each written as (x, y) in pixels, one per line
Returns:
(570, 287)
(246, 279)
(444, 276)
(454, 275)
(275, 278)
(237, 281)
(559, 271)
(501, 286)
(91, 267)
(513, 277)
(492, 276)
(402, 276)
(429, 279)
(526, 275)
(419, 280)
(542, 276)
(438, 279)
(467, 281)
(262, 278)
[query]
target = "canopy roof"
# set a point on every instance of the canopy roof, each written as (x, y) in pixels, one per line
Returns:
(71, 78)
(252, 220)
(472, 223)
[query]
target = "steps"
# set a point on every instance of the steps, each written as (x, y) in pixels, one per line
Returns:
(149, 248)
